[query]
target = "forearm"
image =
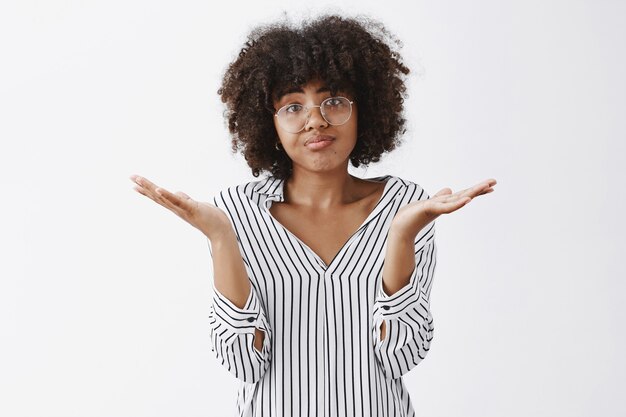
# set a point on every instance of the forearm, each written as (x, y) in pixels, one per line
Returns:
(400, 255)
(229, 271)
(399, 261)
(400, 266)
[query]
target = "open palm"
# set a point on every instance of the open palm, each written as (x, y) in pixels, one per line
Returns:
(414, 216)
(205, 217)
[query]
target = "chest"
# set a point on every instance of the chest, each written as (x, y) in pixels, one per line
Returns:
(324, 233)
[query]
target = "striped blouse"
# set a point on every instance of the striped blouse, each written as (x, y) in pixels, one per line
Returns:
(322, 354)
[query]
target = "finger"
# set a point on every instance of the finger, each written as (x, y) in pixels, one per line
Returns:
(443, 191)
(146, 187)
(457, 197)
(156, 198)
(157, 194)
(450, 198)
(488, 185)
(140, 190)
(450, 206)
(181, 194)
(471, 192)
(467, 192)
(476, 190)
(145, 192)
(163, 195)
(174, 200)
(144, 182)
(488, 182)
(480, 187)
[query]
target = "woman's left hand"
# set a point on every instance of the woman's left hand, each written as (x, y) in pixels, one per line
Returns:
(413, 217)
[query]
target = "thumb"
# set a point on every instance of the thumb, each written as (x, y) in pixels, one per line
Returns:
(443, 191)
(181, 194)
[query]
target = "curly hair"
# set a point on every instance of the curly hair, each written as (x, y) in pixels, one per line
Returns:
(354, 55)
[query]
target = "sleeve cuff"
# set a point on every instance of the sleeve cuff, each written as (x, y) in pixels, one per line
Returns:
(392, 306)
(237, 320)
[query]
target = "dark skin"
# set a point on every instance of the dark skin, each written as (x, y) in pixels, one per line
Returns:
(409, 221)
(211, 221)
(324, 204)
(326, 234)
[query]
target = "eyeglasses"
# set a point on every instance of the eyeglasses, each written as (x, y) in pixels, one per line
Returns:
(293, 117)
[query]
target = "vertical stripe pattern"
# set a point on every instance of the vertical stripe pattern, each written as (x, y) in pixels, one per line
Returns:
(322, 354)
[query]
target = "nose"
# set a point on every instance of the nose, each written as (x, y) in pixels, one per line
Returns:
(315, 118)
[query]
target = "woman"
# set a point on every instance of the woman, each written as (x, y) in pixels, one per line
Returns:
(304, 313)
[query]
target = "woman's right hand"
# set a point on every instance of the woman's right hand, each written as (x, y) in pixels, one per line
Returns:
(206, 217)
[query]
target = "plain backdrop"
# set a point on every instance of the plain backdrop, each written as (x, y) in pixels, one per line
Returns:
(104, 294)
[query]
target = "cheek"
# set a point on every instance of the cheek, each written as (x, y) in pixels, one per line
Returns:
(283, 136)
(276, 127)
(288, 140)
(354, 119)
(353, 125)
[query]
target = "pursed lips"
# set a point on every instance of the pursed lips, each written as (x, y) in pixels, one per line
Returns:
(318, 138)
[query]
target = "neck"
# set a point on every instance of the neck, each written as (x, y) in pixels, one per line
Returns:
(320, 190)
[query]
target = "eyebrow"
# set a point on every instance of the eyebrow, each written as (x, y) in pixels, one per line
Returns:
(298, 89)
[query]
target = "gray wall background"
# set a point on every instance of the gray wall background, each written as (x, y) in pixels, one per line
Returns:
(104, 295)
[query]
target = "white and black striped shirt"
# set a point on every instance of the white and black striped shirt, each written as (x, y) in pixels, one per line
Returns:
(322, 354)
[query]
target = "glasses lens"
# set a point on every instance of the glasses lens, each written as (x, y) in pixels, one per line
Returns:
(292, 117)
(336, 111)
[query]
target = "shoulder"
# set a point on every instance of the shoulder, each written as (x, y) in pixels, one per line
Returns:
(412, 190)
(244, 193)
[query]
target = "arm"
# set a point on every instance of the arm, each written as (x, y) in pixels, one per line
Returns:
(240, 332)
(403, 323)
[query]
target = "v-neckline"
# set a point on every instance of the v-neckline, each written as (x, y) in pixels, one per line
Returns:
(279, 196)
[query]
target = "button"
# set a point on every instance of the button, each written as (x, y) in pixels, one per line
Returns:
(386, 307)
(251, 319)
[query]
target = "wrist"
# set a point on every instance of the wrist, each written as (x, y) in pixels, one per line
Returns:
(405, 232)
(406, 225)
(400, 235)
(220, 236)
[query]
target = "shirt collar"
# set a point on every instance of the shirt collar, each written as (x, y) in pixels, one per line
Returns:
(271, 187)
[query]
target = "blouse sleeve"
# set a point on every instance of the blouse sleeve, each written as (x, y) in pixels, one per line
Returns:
(409, 322)
(232, 332)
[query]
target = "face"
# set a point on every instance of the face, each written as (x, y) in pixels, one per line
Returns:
(304, 155)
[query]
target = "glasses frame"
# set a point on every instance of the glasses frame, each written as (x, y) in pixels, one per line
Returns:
(308, 116)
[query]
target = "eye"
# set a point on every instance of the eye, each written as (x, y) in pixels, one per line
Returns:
(333, 101)
(293, 108)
